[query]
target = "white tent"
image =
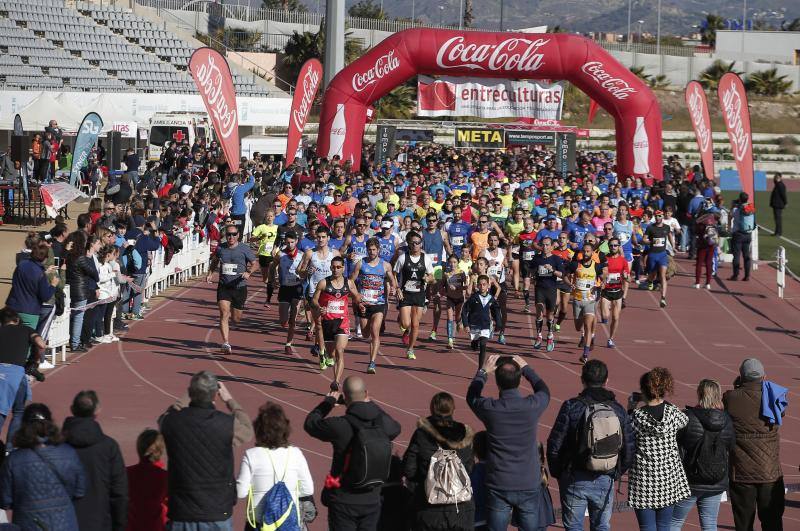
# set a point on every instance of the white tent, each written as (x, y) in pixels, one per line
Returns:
(38, 113)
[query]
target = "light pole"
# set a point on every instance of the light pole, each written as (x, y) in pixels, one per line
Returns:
(502, 6)
(441, 14)
(641, 38)
(744, 26)
(412, 11)
(629, 24)
(658, 30)
(460, 14)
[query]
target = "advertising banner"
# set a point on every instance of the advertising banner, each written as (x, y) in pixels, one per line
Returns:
(565, 153)
(212, 75)
(415, 135)
(87, 137)
(479, 137)
(57, 195)
(126, 129)
(308, 82)
(18, 130)
(735, 113)
(697, 104)
(385, 143)
(488, 98)
(545, 138)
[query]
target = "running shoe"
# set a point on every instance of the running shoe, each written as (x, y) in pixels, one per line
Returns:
(329, 361)
(315, 350)
(359, 335)
(334, 385)
(284, 324)
(104, 339)
(591, 344)
(610, 343)
(551, 344)
(450, 343)
(226, 348)
(697, 286)
(309, 335)
(371, 369)
(474, 344)
(582, 342)
(527, 308)
(288, 348)
(114, 338)
(406, 338)
(323, 364)
(46, 365)
(538, 343)
(502, 339)
(585, 356)
(603, 321)
(663, 302)
(557, 327)
(708, 286)
(651, 286)
(624, 304)
(410, 355)
(433, 335)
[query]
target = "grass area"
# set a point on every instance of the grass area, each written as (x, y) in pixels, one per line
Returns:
(768, 244)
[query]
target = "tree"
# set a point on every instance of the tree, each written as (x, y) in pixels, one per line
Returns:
(794, 25)
(304, 46)
(658, 82)
(767, 83)
(709, 27)
(366, 9)
(399, 103)
(638, 71)
(469, 16)
(710, 77)
(285, 5)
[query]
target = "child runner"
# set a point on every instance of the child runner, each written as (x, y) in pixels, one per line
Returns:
(478, 313)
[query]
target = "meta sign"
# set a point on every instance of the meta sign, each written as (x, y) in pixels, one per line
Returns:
(479, 137)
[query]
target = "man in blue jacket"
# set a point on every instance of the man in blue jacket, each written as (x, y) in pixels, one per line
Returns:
(144, 242)
(236, 192)
(581, 489)
(513, 477)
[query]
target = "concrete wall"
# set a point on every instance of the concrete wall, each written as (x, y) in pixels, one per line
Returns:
(762, 46)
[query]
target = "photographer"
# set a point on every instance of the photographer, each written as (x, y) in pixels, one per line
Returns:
(142, 239)
(743, 223)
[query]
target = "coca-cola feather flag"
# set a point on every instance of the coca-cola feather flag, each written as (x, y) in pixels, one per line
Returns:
(593, 108)
(212, 75)
(308, 82)
(735, 112)
(697, 104)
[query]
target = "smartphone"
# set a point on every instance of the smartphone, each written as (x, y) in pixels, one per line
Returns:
(131, 242)
(57, 261)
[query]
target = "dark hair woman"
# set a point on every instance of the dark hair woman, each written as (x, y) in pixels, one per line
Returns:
(30, 287)
(42, 477)
(82, 277)
(273, 459)
(147, 484)
(438, 430)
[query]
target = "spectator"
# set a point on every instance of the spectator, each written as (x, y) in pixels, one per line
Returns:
(778, 201)
(513, 472)
(147, 484)
(143, 240)
(349, 508)
(756, 480)
(30, 287)
(42, 478)
(743, 224)
(82, 278)
(439, 430)
(705, 443)
(202, 492)
(132, 164)
(272, 460)
(477, 477)
(582, 487)
(657, 480)
(105, 505)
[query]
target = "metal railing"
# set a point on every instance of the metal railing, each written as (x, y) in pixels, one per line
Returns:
(246, 41)
(642, 47)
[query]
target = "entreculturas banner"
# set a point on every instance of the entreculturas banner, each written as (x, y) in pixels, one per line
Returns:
(489, 98)
(88, 132)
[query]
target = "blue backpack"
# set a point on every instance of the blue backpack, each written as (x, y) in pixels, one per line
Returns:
(278, 512)
(747, 222)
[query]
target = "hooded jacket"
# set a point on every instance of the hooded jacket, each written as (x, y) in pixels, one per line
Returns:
(703, 420)
(105, 505)
(338, 432)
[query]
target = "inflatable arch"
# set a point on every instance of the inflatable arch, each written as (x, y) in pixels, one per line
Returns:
(496, 55)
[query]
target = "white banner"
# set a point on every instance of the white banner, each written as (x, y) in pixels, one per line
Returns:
(126, 129)
(56, 195)
(488, 98)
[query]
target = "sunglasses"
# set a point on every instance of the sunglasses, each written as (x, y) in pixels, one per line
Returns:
(415, 242)
(231, 234)
(613, 245)
(361, 224)
(291, 213)
(337, 267)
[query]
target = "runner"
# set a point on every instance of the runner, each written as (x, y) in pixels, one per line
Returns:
(316, 266)
(548, 269)
(330, 303)
(290, 292)
(236, 262)
(478, 313)
(434, 244)
(498, 263)
(414, 272)
(658, 236)
(514, 227)
(389, 241)
(622, 229)
(615, 276)
(563, 251)
(265, 234)
(456, 288)
(585, 274)
(355, 246)
(458, 231)
(527, 251)
(371, 275)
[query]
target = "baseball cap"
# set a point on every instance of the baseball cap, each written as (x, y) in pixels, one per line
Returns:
(186, 188)
(659, 212)
(138, 221)
(549, 217)
(387, 224)
(751, 370)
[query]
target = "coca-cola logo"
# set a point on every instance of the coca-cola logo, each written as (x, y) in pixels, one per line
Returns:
(732, 107)
(384, 65)
(310, 84)
(221, 103)
(697, 112)
(617, 87)
(515, 54)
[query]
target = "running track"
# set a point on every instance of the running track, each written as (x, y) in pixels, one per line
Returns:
(701, 335)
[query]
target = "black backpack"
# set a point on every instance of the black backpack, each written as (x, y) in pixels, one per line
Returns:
(709, 464)
(369, 459)
(130, 264)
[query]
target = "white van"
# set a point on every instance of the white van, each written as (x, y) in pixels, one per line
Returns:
(266, 145)
(168, 126)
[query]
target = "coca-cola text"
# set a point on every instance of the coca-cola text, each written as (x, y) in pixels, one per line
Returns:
(310, 83)
(210, 80)
(617, 87)
(697, 112)
(510, 55)
(732, 111)
(382, 67)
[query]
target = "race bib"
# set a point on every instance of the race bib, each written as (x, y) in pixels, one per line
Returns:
(411, 286)
(433, 259)
(584, 284)
(230, 269)
(624, 237)
(476, 333)
(528, 255)
(457, 241)
(515, 249)
(659, 242)
(336, 306)
(545, 271)
(614, 278)
(495, 270)
(370, 295)
(268, 246)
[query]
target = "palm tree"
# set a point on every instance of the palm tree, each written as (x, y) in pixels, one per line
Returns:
(303, 46)
(767, 83)
(658, 82)
(469, 17)
(638, 71)
(284, 5)
(399, 103)
(710, 77)
(794, 25)
(708, 32)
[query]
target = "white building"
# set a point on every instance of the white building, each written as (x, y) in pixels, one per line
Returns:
(780, 47)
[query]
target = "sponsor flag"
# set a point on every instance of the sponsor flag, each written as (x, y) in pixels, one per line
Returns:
(697, 103)
(56, 196)
(308, 82)
(88, 132)
(593, 108)
(212, 75)
(18, 130)
(735, 113)
(385, 141)
(489, 98)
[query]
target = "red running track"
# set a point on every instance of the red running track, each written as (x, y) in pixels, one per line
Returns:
(700, 335)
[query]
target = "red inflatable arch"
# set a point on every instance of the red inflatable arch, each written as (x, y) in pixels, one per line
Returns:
(497, 55)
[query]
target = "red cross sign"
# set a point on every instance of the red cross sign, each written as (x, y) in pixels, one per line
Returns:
(178, 135)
